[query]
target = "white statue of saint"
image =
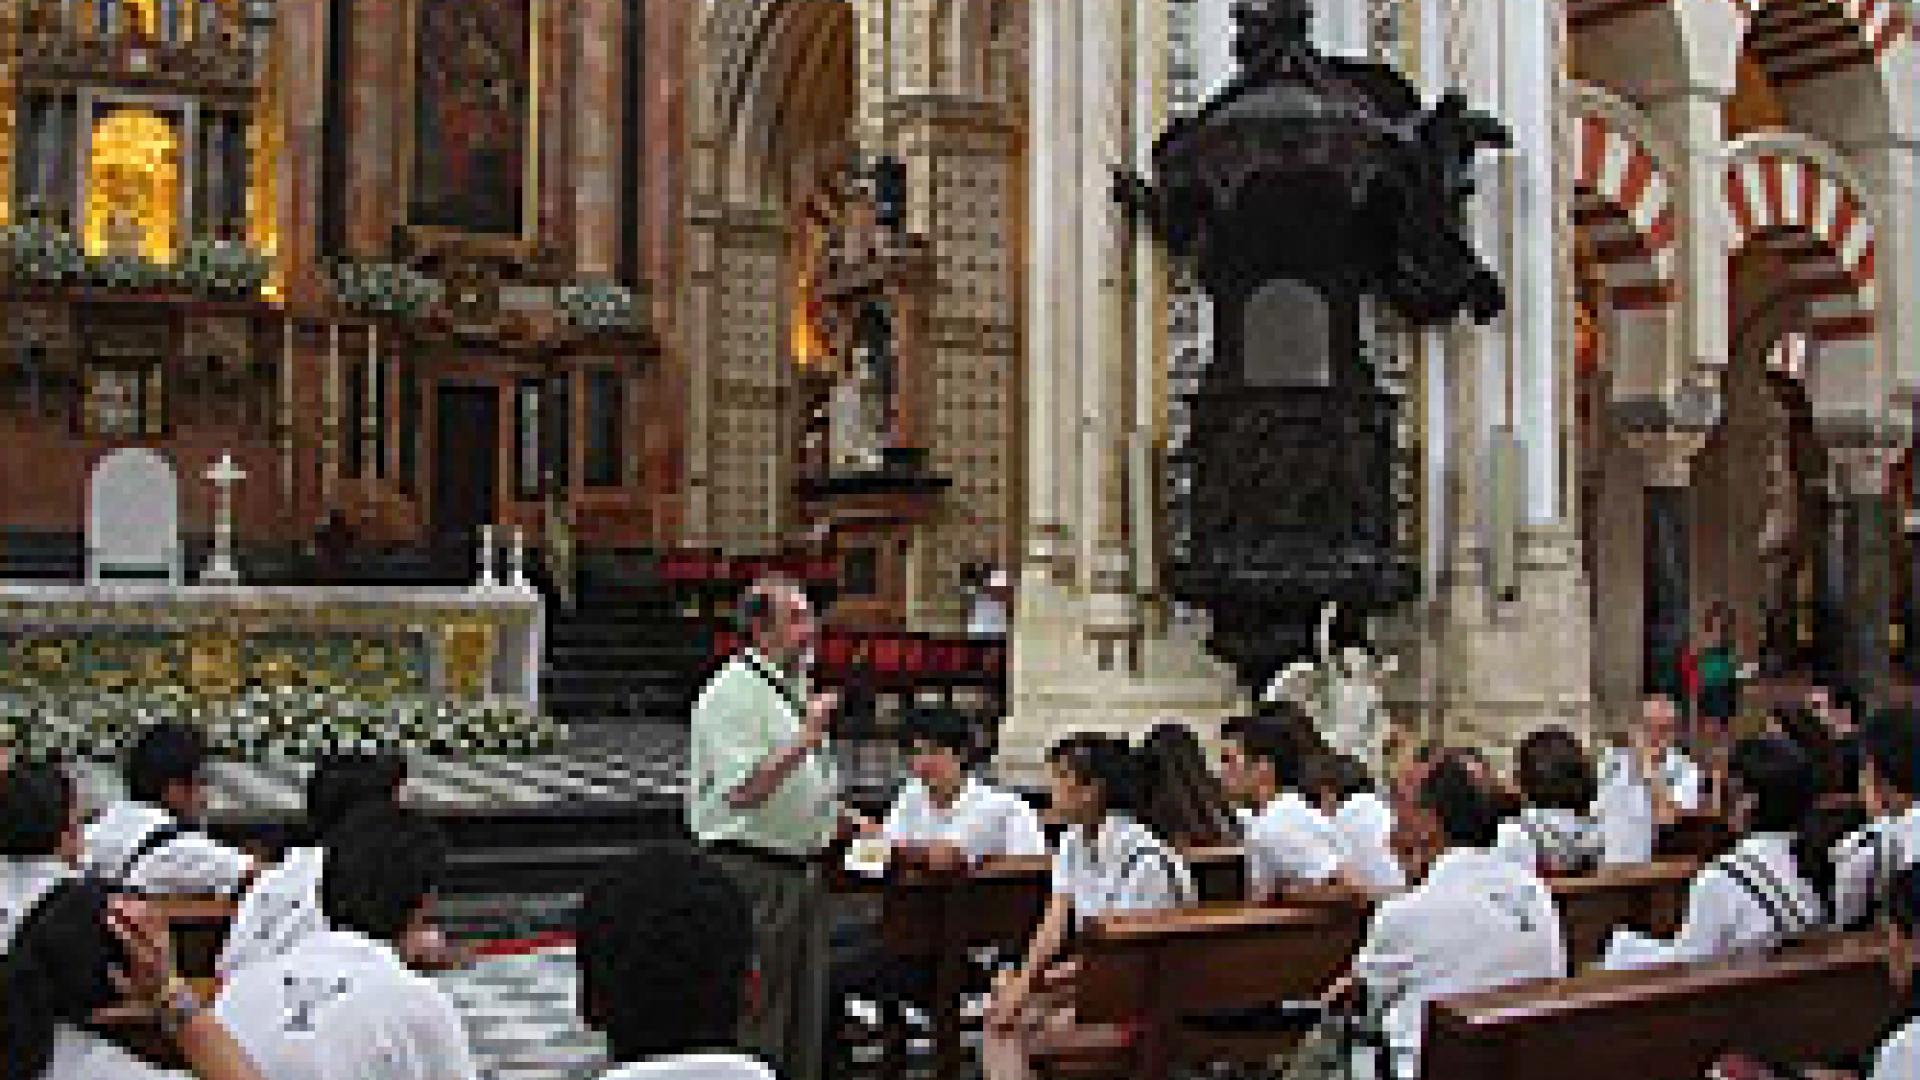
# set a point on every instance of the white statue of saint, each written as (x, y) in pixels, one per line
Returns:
(1354, 722)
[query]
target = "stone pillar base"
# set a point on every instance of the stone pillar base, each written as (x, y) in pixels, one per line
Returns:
(1476, 672)
(1058, 683)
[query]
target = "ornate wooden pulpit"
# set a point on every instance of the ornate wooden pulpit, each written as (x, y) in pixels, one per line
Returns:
(1314, 197)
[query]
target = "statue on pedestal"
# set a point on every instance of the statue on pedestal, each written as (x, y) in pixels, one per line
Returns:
(855, 417)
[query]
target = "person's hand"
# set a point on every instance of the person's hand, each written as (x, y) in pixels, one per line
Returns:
(945, 859)
(1004, 1009)
(149, 969)
(819, 720)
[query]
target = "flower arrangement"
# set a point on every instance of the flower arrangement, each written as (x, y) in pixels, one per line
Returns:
(127, 270)
(261, 723)
(383, 288)
(38, 252)
(597, 306)
(221, 268)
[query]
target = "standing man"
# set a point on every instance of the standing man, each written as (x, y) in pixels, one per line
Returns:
(761, 799)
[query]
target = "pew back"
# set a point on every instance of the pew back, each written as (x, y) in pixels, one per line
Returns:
(1818, 1001)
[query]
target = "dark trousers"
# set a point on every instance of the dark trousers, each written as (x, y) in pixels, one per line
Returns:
(789, 901)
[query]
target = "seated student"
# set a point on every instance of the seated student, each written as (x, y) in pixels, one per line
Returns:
(283, 904)
(1865, 861)
(1899, 1055)
(1476, 921)
(63, 945)
(1107, 862)
(945, 817)
(1769, 889)
(342, 1005)
(1554, 834)
(665, 948)
(149, 843)
(1288, 841)
(1362, 820)
(1647, 784)
(1187, 805)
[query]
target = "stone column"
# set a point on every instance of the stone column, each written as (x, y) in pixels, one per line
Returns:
(1865, 508)
(1043, 317)
(1668, 456)
(378, 93)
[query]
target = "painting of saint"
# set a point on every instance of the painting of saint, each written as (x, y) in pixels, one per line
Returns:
(473, 99)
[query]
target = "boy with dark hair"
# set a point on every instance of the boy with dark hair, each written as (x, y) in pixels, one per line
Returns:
(342, 1003)
(1478, 921)
(1866, 861)
(150, 842)
(665, 951)
(283, 905)
(945, 817)
(1288, 841)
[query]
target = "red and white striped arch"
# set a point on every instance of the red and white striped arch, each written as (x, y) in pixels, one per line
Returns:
(1818, 225)
(1793, 40)
(1625, 204)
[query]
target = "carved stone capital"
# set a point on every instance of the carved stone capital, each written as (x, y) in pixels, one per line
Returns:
(1668, 454)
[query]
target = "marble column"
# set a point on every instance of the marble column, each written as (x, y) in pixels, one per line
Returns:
(1043, 317)
(1668, 549)
(1694, 119)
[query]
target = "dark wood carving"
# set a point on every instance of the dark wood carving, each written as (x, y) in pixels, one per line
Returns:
(1307, 186)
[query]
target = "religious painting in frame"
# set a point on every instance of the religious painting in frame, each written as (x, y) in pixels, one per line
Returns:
(472, 163)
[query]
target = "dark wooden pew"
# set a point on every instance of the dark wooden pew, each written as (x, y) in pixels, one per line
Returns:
(1144, 976)
(1819, 1001)
(940, 918)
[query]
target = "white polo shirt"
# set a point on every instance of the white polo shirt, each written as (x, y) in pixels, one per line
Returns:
(1899, 1058)
(1127, 868)
(189, 864)
(1625, 806)
(342, 1006)
(280, 909)
(1743, 904)
(1288, 842)
(983, 821)
(1478, 922)
(1865, 861)
(1364, 826)
(23, 884)
(717, 1066)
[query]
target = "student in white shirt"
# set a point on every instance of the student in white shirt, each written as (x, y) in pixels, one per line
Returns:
(150, 842)
(283, 904)
(1767, 890)
(1647, 785)
(1107, 862)
(64, 943)
(1477, 921)
(945, 818)
(665, 948)
(1554, 835)
(1866, 861)
(1362, 821)
(342, 1005)
(1288, 840)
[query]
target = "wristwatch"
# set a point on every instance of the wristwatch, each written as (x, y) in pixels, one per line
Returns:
(176, 1006)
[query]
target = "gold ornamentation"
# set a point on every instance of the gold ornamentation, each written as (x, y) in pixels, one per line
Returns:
(466, 654)
(213, 665)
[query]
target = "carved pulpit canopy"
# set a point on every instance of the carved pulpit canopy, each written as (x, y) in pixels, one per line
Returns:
(1342, 144)
(1311, 192)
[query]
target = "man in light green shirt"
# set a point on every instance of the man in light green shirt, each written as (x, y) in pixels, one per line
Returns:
(762, 799)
